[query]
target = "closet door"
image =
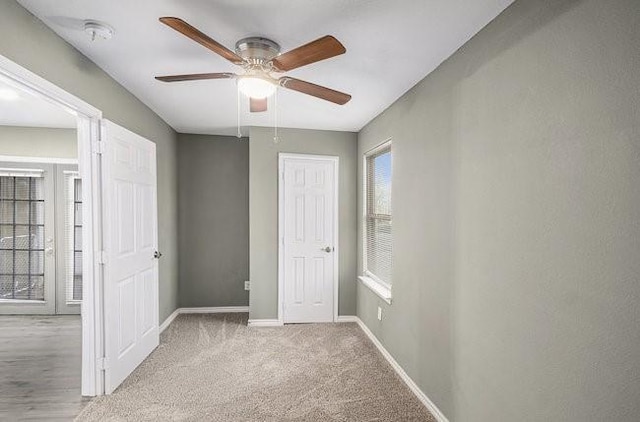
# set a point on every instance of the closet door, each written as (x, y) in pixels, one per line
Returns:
(27, 242)
(68, 239)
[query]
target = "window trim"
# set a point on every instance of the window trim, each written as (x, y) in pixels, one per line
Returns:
(377, 286)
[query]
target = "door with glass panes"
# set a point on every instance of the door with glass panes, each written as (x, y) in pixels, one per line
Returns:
(40, 239)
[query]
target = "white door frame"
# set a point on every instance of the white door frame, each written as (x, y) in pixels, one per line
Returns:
(336, 280)
(89, 167)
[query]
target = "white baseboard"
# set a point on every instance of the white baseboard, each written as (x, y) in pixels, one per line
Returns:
(407, 380)
(265, 323)
(278, 323)
(215, 310)
(169, 320)
(211, 310)
(347, 318)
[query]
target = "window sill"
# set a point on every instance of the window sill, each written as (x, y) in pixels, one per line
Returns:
(22, 301)
(381, 291)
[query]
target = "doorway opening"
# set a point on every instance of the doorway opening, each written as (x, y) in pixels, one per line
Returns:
(49, 231)
(109, 233)
(40, 256)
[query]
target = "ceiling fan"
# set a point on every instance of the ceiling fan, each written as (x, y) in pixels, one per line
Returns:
(260, 59)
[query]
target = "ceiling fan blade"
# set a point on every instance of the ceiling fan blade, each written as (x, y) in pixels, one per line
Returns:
(257, 105)
(195, 77)
(199, 37)
(320, 49)
(314, 90)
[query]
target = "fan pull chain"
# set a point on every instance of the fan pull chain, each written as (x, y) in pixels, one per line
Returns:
(276, 140)
(239, 134)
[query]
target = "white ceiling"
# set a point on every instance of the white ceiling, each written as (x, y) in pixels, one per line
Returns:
(19, 108)
(390, 45)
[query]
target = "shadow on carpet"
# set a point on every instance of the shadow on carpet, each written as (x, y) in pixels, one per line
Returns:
(212, 367)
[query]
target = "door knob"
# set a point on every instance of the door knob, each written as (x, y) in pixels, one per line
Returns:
(157, 255)
(327, 249)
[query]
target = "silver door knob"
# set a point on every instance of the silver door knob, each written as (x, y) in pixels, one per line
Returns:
(157, 255)
(327, 249)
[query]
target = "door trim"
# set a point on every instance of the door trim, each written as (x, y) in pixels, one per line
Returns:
(336, 281)
(88, 130)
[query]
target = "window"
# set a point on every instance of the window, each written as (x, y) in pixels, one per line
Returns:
(40, 238)
(377, 219)
(73, 238)
(21, 235)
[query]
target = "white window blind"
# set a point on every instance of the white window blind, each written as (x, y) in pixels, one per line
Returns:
(21, 234)
(378, 229)
(73, 237)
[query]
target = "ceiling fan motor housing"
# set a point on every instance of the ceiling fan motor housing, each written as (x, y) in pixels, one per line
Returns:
(257, 49)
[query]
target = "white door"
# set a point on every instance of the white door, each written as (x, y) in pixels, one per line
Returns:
(130, 243)
(308, 199)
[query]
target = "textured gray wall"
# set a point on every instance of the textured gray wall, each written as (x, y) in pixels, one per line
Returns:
(516, 219)
(263, 212)
(38, 142)
(213, 193)
(27, 41)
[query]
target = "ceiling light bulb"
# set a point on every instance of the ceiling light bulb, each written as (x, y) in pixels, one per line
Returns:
(8, 94)
(254, 87)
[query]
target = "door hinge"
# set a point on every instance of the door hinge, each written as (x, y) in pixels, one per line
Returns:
(101, 257)
(99, 147)
(103, 364)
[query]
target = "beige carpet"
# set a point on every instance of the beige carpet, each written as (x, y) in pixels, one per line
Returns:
(213, 367)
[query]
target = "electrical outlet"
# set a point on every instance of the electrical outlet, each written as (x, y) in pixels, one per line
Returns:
(379, 313)
(247, 285)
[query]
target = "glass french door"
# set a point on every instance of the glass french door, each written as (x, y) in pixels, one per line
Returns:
(27, 260)
(37, 239)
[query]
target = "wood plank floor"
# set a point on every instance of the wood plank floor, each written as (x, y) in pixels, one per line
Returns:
(40, 361)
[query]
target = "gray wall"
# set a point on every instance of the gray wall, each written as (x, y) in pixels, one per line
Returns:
(517, 218)
(27, 41)
(263, 212)
(38, 142)
(213, 193)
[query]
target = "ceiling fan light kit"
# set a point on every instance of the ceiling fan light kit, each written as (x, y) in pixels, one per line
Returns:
(256, 87)
(262, 63)
(257, 52)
